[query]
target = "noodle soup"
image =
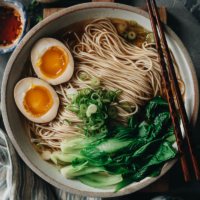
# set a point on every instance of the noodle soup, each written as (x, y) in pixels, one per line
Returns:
(113, 100)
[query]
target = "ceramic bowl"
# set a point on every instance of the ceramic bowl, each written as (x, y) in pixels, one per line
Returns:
(15, 122)
(24, 18)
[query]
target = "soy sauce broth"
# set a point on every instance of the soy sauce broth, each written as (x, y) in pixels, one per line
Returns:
(122, 27)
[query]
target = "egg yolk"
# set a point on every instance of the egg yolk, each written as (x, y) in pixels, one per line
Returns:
(53, 62)
(37, 101)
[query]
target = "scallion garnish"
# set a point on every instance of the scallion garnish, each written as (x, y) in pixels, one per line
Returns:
(84, 77)
(131, 35)
(83, 108)
(95, 82)
(72, 108)
(112, 112)
(67, 121)
(93, 107)
(39, 19)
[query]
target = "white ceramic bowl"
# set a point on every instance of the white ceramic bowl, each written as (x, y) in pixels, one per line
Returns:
(14, 121)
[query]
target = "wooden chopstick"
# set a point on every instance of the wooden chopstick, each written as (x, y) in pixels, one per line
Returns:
(186, 124)
(170, 99)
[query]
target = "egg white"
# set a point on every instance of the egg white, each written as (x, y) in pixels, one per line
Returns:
(39, 49)
(20, 90)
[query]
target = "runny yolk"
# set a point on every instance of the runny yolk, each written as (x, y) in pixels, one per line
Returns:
(37, 101)
(53, 62)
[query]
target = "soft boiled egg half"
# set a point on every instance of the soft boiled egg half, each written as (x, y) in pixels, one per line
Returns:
(52, 61)
(36, 99)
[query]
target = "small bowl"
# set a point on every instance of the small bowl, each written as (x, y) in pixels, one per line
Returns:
(24, 18)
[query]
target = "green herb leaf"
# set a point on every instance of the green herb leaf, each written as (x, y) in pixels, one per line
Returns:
(66, 120)
(156, 106)
(39, 19)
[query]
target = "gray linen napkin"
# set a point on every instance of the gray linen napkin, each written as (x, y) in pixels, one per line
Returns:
(18, 182)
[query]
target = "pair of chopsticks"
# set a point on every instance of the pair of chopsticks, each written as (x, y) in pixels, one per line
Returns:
(175, 120)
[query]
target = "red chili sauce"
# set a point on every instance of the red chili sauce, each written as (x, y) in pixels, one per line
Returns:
(10, 25)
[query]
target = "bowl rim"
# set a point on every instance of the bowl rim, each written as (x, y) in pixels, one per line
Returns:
(12, 59)
(23, 10)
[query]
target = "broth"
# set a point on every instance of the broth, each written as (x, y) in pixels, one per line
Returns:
(122, 27)
(67, 34)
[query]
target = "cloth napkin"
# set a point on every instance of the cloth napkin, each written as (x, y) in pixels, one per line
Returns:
(18, 182)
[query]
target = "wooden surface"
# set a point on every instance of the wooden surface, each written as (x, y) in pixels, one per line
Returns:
(162, 184)
(49, 11)
(162, 13)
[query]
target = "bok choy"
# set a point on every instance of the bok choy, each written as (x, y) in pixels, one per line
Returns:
(121, 155)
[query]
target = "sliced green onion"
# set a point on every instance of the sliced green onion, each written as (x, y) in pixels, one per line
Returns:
(83, 108)
(131, 35)
(99, 120)
(40, 148)
(67, 121)
(100, 106)
(86, 121)
(92, 121)
(86, 91)
(96, 126)
(79, 126)
(74, 99)
(91, 109)
(106, 101)
(84, 77)
(109, 94)
(95, 82)
(104, 130)
(33, 7)
(35, 3)
(100, 115)
(150, 38)
(39, 19)
(81, 115)
(105, 115)
(116, 93)
(72, 108)
(95, 96)
(99, 91)
(83, 101)
(106, 108)
(112, 111)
